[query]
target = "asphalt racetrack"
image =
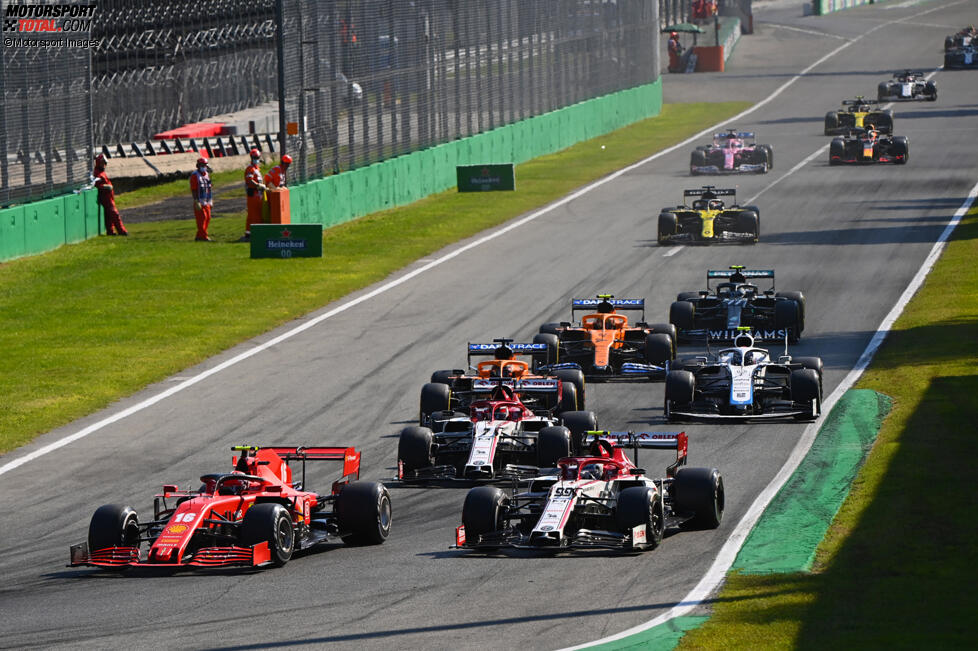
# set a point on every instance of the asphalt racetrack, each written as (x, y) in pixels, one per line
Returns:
(851, 238)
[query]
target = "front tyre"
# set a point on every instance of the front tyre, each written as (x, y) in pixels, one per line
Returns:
(113, 525)
(482, 511)
(270, 523)
(641, 505)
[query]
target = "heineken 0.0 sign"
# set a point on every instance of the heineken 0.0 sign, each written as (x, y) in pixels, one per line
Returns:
(485, 178)
(286, 240)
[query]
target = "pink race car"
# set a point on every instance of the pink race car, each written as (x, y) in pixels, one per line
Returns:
(732, 152)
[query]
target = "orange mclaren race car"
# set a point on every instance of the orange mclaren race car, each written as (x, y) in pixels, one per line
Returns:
(605, 345)
(454, 390)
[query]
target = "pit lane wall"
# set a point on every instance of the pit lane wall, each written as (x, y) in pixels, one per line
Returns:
(41, 226)
(711, 58)
(822, 7)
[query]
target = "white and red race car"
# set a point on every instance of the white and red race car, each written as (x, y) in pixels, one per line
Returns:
(601, 500)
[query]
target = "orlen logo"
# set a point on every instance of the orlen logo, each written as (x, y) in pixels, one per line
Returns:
(48, 18)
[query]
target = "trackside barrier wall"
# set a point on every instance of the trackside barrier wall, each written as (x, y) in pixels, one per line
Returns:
(822, 7)
(711, 58)
(402, 180)
(40, 226)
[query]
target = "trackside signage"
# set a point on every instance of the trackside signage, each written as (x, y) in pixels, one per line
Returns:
(286, 240)
(485, 178)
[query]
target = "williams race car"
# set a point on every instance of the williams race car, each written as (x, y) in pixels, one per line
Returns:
(962, 56)
(709, 219)
(966, 37)
(743, 383)
(604, 345)
(869, 146)
(718, 313)
(857, 113)
(599, 500)
(499, 438)
(256, 514)
(553, 391)
(905, 86)
(732, 152)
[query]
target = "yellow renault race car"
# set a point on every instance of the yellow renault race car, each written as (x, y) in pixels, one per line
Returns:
(709, 219)
(858, 113)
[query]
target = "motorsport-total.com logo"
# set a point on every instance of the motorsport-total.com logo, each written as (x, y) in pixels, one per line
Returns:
(37, 19)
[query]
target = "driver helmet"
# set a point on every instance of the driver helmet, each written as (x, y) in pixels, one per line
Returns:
(591, 471)
(716, 204)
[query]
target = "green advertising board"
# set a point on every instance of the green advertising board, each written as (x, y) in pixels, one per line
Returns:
(485, 178)
(286, 240)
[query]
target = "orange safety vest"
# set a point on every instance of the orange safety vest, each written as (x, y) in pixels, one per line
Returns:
(252, 179)
(275, 177)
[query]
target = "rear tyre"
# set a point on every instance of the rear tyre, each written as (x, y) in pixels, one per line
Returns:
(113, 525)
(364, 511)
(641, 505)
(669, 330)
(659, 349)
(434, 397)
(749, 222)
(269, 522)
(831, 123)
(882, 91)
(681, 315)
(680, 388)
(699, 491)
(482, 511)
(901, 146)
(579, 423)
(553, 443)
(667, 227)
(553, 345)
(799, 298)
(550, 328)
(696, 159)
(574, 377)
(414, 447)
(687, 296)
(787, 316)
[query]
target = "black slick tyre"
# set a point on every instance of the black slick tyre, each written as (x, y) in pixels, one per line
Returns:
(553, 443)
(574, 377)
(363, 510)
(552, 343)
(787, 316)
(806, 388)
(680, 389)
(799, 298)
(699, 491)
(113, 525)
(482, 511)
(682, 315)
(659, 349)
(641, 505)
(831, 123)
(442, 377)
(414, 447)
(667, 329)
(434, 397)
(667, 227)
(578, 423)
(269, 522)
(749, 222)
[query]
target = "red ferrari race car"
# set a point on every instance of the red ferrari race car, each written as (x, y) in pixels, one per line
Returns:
(255, 515)
(601, 499)
(869, 146)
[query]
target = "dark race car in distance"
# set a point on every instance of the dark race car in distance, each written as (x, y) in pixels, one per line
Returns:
(605, 345)
(718, 313)
(732, 152)
(599, 499)
(255, 515)
(906, 86)
(709, 219)
(497, 438)
(742, 383)
(869, 146)
(965, 38)
(857, 113)
(961, 57)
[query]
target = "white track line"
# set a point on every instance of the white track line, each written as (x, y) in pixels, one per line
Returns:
(673, 251)
(805, 31)
(149, 402)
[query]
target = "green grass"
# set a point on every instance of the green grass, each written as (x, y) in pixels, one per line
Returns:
(176, 188)
(87, 324)
(897, 568)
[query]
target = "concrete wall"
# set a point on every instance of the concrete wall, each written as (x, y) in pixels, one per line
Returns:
(822, 7)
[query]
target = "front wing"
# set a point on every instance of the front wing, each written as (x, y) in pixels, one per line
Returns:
(121, 557)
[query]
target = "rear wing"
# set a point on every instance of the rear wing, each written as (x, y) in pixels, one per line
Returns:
(489, 350)
(677, 441)
(620, 304)
(719, 192)
(348, 455)
(741, 135)
(858, 101)
(750, 274)
(530, 385)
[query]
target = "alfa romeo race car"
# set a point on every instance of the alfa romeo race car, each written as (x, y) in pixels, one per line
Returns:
(732, 152)
(857, 113)
(604, 345)
(255, 515)
(743, 383)
(717, 313)
(869, 146)
(553, 391)
(709, 219)
(597, 500)
(498, 438)
(905, 86)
